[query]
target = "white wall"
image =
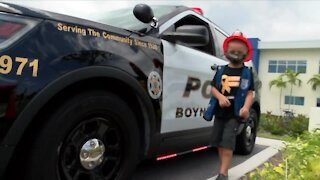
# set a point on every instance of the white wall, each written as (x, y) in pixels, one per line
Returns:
(270, 97)
(314, 121)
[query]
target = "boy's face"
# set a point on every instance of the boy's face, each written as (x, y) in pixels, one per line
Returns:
(237, 51)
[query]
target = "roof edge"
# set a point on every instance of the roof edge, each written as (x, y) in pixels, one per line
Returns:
(289, 44)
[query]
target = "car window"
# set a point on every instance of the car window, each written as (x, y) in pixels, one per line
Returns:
(193, 20)
(124, 18)
(220, 37)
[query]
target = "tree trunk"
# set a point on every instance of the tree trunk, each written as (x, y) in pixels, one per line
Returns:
(280, 102)
(290, 96)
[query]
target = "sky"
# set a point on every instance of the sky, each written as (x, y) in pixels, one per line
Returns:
(282, 20)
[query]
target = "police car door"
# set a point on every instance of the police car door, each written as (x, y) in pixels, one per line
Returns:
(186, 78)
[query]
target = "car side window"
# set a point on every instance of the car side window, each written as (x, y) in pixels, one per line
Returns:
(220, 37)
(193, 20)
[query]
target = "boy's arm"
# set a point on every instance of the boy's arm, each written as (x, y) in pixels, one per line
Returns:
(248, 101)
(223, 101)
(244, 111)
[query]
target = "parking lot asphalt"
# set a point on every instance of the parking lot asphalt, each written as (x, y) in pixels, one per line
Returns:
(201, 165)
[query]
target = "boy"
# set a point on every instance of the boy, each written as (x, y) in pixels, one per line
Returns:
(232, 89)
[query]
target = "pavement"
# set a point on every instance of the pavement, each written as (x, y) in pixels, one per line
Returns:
(274, 146)
(204, 165)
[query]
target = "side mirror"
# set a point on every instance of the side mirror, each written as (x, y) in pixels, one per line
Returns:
(191, 35)
(145, 14)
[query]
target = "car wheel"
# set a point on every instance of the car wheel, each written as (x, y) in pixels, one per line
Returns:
(246, 139)
(93, 135)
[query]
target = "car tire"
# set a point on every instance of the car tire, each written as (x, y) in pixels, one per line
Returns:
(246, 139)
(88, 126)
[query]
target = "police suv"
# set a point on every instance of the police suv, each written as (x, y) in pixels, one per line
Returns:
(84, 99)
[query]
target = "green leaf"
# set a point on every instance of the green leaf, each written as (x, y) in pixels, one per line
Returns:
(279, 170)
(281, 165)
(264, 172)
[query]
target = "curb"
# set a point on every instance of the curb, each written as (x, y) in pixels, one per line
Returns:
(257, 160)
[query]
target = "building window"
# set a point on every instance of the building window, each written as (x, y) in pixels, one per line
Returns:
(318, 102)
(272, 66)
(280, 66)
(294, 100)
(301, 66)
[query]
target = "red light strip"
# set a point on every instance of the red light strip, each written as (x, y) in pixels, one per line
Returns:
(185, 152)
(166, 157)
(199, 149)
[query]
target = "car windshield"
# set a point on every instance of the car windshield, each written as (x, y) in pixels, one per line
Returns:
(124, 18)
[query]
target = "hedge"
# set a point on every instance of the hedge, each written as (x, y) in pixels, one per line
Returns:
(300, 161)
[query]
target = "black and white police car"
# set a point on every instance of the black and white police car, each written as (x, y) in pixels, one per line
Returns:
(81, 99)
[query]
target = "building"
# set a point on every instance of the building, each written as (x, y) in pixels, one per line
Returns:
(273, 58)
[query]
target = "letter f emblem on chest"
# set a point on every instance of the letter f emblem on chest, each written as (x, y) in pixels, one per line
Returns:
(229, 81)
(225, 84)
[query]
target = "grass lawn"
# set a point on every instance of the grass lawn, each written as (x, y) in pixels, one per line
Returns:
(265, 134)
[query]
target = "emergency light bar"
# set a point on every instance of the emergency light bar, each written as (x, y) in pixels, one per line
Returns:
(197, 10)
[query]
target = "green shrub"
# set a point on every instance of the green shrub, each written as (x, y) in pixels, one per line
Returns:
(272, 124)
(298, 125)
(300, 161)
(278, 126)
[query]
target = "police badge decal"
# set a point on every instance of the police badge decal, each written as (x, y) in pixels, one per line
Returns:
(154, 85)
(244, 83)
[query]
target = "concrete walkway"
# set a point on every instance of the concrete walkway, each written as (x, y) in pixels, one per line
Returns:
(255, 161)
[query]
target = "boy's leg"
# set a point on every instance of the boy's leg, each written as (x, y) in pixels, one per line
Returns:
(225, 160)
(227, 145)
(220, 156)
(217, 134)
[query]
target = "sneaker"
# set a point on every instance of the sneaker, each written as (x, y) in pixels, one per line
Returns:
(222, 177)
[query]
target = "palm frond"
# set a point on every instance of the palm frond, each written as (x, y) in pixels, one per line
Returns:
(314, 81)
(278, 82)
(299, 82)
(292, 77)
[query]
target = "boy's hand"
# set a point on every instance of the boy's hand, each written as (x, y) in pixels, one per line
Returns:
(224, 101)
(244, 112)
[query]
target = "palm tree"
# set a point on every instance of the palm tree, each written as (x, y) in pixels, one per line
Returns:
(292, 79)
(279, 83)
(314, 81)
